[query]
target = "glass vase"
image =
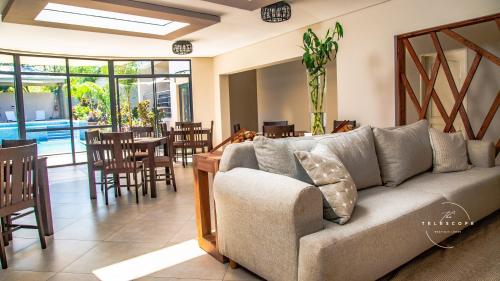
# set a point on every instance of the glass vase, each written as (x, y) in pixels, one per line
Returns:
(317, 100)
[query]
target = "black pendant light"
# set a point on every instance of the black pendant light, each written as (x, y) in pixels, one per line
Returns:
(182, 47)
(277, 12)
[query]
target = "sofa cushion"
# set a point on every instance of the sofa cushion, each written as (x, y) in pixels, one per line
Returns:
(403, 151)
(276, 155)
(356, 150)
(449, 152)
(334, 181)
(481, 153)
(238, 155)
(384, 232)
(477, 190)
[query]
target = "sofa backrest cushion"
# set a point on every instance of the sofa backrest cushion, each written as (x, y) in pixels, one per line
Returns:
(403, 151)
(238, 155)
(277, 155)
(356, 150)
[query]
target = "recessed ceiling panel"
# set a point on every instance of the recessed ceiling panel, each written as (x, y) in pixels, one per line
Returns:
(244, 4)
(109, 16)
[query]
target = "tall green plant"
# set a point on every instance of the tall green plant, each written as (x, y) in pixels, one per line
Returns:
(317, 53)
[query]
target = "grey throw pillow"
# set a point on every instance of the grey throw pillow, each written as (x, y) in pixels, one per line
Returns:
(481, 153)
(334, 181)
(449, 151)
(403, 151)
(276, 156)
(356, 150)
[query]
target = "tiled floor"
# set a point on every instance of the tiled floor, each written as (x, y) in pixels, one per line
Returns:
(154, 240)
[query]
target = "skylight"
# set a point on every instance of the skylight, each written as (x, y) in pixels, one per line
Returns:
(74, 15)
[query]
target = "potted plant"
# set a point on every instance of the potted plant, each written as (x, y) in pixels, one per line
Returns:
(317, 53)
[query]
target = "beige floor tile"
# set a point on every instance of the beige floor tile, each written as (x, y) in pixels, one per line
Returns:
(17, 244)
(57, 255)
(187, 232)
(202, 267)
(108, 253)
(10, 275)
(149, 278)
(148, 232)
(240, 274)
(88, 229)
(73, 277)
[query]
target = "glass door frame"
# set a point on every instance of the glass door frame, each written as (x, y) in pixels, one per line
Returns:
(153, 76)
(113, 91)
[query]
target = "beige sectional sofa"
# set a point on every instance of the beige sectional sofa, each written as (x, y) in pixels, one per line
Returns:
(273, 224)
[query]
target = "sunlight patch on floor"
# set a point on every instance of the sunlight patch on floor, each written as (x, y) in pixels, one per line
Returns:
(151, 262)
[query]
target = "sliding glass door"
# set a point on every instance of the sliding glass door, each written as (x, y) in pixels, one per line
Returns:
(55, 100)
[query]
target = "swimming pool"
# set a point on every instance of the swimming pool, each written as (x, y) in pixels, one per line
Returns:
(49, 142)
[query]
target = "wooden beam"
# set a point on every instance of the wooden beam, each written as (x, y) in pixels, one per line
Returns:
(450, 26)
(471, 45)
(453, 86)
(463, 91)
(426, 79)
(400, 67)
(489, 117)
(410, 92)
(430, 86)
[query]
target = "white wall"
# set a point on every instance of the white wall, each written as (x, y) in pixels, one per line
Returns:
(282, 95)
(365, 64)
(203, 90)
(243, 100)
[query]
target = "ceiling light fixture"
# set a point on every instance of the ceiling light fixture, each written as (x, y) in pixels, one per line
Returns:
(182, 47)
(277, 12)
(74, 15)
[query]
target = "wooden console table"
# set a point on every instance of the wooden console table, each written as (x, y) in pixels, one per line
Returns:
(203, 164)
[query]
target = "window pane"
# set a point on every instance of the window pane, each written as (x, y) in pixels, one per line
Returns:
(54, 144)
(80, 148)
(90, 101)
(132, 67)
(88, 66)
(172, 67)
(136, 102)
(43, 64)
(8, 112)
(45, 102)
(6, 63)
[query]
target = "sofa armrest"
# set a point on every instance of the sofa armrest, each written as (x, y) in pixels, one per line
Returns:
(481, 153)
(261, 217)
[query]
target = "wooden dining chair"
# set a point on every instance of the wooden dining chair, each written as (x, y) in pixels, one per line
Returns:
(273, 123)
(280, 131)
(16, 143)
(95, 161)
(142, 132)
(118, 151)
(164, 161)
(193, 139)
(18, 193)
(236, 128)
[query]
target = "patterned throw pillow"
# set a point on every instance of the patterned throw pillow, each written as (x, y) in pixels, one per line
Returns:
(449, 151)
(334, 181)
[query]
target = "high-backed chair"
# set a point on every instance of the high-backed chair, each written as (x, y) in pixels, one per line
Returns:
(164, 161)
(15, 143)
(276, 132)
(273, 123)
(118, 151)
(18, 192)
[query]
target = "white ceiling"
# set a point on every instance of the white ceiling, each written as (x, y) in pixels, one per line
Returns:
(238, 28)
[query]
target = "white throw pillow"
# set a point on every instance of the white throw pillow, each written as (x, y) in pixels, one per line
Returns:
(334, 181)
(449, 151)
